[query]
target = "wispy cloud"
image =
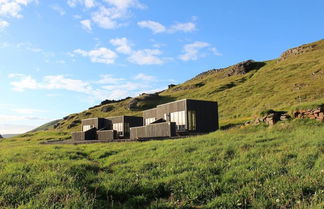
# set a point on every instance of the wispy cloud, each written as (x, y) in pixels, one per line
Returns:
(3, 24)
(122, 45)
(16, 128)
(27, 111)
(109, 79)
(157, 27)
(86, 24)
(100, 55)
(184, 27)
(12, 8)
(144, 77)
(125, 4)
(106, 87)
(58, 9)
(111, 14)
(192, 51)
(107, 17)
(86, 3)
(146, 57)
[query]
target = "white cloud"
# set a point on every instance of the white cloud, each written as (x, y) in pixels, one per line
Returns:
(27, 111)
(12, 8)
(122, 44)
(109, 79)
(184, 27)
(108, 14)
(15, 128)
(58, 9)
(86, 24)
(26, 82)
(155, 27)
(129, 86)
(106, 17)
(100, 55)
(49, 82)
(144, 77)
(109, 86)
(215, 52)
(191, 51)
(146, 57)
(125, 4)
(87, 3)
(3, 24)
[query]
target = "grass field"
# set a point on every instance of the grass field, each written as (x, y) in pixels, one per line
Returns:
(253, 167)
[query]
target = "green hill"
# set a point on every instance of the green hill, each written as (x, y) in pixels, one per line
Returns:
(243, 90)
(279, 166)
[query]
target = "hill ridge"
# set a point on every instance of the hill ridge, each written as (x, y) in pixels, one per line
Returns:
(242, 90)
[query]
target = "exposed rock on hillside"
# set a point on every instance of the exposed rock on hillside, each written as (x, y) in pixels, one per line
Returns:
(192, 86)
(1, 136)
(107, 101)
(297, 51)
(270, 117)
(107, 108)
(137, 102)
(69, 117)
(315, 113)
(74, 123)
(238, 69)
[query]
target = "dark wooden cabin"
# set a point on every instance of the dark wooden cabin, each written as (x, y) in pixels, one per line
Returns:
(188, 114)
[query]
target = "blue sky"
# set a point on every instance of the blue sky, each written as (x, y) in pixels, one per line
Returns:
(63, 56)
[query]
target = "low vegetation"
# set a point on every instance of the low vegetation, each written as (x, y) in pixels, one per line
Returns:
(252, 167)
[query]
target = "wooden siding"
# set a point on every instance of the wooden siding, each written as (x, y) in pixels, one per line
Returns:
(166, 129)
(151, 113)
(86, 135)
(98, 123)
(107, 135)
(206, 114)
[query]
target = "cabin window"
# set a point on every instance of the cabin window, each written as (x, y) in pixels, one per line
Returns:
(179, 118)
(149, 120)
(192, 120)
(87, 127)
(118, 127)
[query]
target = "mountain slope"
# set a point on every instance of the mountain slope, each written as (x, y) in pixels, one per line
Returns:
(242, 91)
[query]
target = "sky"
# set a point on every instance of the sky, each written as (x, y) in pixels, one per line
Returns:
(59, 57)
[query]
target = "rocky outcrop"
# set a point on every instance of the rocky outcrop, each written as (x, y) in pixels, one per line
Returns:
(315, 113)
(241, 68)
(188, 87)
(74, 123)
(107, 108)
(1, 137)
(238, 69)
(171, 86)
(135, 103)
(297, 51)
(108, 101)
(270, 117)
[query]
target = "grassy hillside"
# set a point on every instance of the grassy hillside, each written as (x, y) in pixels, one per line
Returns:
(253, 167)
(281, 166)
(291, 81)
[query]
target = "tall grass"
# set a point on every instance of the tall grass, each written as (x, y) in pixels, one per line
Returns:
(255, 167)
